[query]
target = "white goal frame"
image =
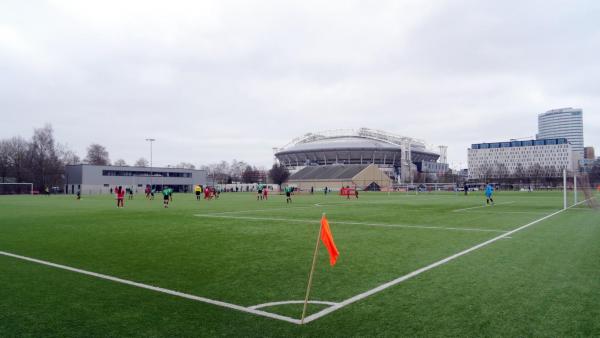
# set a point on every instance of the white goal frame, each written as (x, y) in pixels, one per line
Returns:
(29, 184)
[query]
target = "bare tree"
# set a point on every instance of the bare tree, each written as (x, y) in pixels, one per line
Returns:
(520, 173)
(279, 174)
(142, 162)
(18, 157)
(120, 163)
(67, 156)
(185, 165)
(45, 164)
(97, 155)
(250, 175)
(237, 168)
(535, 172)
(488, 172)
(4, 160)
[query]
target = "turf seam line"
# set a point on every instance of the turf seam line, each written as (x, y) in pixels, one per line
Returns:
(481, 206)
(354, 223)
(426, 268)
(242, 211)
(156, 288)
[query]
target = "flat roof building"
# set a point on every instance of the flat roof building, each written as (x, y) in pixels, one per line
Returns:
(515, 158)
(100, 179)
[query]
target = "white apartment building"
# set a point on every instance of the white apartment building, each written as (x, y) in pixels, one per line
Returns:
(487, 158)
(563, 123)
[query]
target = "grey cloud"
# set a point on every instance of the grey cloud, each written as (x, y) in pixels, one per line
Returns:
(230, 79)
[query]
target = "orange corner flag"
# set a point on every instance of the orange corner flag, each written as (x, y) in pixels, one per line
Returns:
(327, 239)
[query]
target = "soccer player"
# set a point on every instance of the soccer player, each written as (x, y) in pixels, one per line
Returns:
(78, 194)
(288, 194)
(131, 193)
(166, 196)
(198, 190)
(489, 191)
(259, 190)
(120, 192)
(356, 192)
(265, 193)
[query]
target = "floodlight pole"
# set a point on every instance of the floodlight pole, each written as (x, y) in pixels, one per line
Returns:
(151, 169)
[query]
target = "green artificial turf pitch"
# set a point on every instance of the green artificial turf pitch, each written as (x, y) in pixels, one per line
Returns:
(541, 281)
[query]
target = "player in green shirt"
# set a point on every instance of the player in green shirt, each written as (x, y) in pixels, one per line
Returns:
(166, 195)
(288, 194)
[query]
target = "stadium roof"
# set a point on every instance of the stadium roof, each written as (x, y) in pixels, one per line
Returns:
(362, 135)
(348, 143)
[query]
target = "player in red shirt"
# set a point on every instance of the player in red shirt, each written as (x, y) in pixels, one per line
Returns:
(120, 192)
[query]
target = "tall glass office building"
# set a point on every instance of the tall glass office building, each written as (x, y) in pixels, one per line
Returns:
(563, 122)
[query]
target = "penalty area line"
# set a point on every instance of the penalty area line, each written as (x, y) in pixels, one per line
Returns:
(157, 289)
(415, 273)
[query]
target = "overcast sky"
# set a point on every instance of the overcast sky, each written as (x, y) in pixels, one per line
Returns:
(218, 80)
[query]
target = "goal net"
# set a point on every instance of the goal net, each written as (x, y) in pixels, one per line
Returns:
(588, 190)
(16, 188)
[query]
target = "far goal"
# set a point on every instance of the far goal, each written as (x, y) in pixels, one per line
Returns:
(16, 188)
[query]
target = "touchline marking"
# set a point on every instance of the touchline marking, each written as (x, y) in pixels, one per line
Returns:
(424, 269)
(489, 212)
(254, 309)
(353, 223)
(482, 206)
(156, 288)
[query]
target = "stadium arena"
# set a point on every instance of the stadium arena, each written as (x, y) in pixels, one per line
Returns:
(363, 146)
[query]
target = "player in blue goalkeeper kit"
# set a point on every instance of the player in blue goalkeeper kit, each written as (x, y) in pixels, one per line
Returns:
(489, 191)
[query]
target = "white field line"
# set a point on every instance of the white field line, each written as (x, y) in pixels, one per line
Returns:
(481, 206)
(508, 212)
(424, 269)
(290, 302)
(259, 210)
(352, 223)
(354, 201)
(157, 289)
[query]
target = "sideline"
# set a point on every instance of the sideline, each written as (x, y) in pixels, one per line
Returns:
(156, 288)
(399, 280)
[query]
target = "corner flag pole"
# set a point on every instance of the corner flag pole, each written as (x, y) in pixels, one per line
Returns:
(310, 276)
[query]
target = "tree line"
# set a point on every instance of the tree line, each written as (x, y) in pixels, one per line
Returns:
(239, 171)
(41, 160)
(535, 174)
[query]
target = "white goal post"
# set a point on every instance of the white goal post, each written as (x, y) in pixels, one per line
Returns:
(16, 188)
